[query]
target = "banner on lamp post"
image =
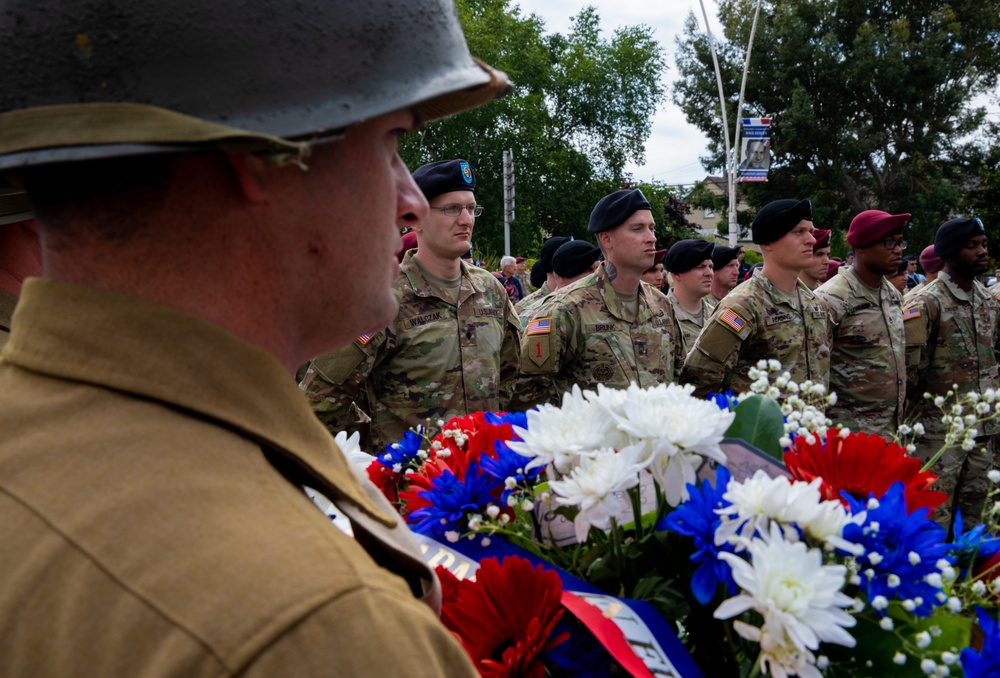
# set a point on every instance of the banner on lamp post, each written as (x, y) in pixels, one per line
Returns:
(755, 153)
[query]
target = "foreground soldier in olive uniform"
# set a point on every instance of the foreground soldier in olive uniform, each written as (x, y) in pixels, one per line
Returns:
(155, 445)
(453, 347)
(952, 338)
(608, 328)
(868, 359)
(690, 264)
(772, 315)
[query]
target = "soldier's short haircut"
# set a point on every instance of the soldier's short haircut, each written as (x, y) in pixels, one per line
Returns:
(122, 190)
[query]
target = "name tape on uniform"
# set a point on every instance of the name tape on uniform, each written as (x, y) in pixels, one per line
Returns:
(539, 326)
(731, 318)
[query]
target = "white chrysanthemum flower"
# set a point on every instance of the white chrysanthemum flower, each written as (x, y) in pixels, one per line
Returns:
(759, 500)
(778, 656)
(351, 448)
(671, 430)
(563, 435)
(592, 485)
(799, 597)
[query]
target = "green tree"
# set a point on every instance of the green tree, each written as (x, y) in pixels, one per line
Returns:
(983, 199)
(871, 100)
(580, 110)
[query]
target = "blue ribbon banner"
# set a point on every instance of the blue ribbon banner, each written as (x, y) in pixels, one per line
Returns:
(755, 156)
(645, 630)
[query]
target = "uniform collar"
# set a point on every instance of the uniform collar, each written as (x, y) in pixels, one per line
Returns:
(614, 303)
(127, 344)
(425, 287)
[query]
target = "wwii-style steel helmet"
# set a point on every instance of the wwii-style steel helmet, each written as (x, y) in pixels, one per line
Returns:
(85, 79)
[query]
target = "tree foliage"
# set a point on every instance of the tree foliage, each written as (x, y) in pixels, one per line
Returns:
(580, 110)
(871, 99)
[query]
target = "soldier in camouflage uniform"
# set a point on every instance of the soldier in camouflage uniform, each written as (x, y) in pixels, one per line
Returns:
(868, 355)
(725, 273)
(608, 328)
(772, 315)
(551, 284)
(952, 338)
(573, 260)
(690, 264)
(932, 265)
(521, 274)
(453, 348)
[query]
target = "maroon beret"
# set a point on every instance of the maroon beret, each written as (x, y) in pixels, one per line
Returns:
(657, 259)
(930, 262)
(519, 260)
(872, 225)
(408, 242)
(822, 238)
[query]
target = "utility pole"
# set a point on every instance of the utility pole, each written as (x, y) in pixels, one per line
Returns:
(732, 156)
(508, 198)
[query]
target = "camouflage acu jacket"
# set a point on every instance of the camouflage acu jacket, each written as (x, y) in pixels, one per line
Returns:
(437, 360)
(527, 306)
(951, 338)
(583, 334)
(687, 326)
(868, 354)
(755, 322)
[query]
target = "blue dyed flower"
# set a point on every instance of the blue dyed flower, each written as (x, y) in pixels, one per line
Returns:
(725, 400)
(901, 550)
(451, 499)
(580, 656)
(405, 452)
(968, 547)
(696, 518)
(508, 464)
(512, 418)
(985, 664)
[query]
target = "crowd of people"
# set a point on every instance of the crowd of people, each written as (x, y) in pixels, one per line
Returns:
(605, 314)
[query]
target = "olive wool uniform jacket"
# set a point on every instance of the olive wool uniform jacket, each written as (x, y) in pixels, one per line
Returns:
(152, 521)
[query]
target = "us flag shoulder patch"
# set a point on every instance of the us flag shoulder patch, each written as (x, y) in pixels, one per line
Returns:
(539, 326)
(733, 320)
(365, 338)
(911, 313)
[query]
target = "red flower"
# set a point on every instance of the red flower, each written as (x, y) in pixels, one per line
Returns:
(862, 464)
(505, 618)
(386, 480)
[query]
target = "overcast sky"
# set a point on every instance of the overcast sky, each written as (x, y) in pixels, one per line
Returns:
(674, 146)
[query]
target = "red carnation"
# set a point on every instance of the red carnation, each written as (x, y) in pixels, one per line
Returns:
(862, 464)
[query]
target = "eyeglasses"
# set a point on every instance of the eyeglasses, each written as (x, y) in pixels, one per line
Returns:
(891, 244)
(454, 210)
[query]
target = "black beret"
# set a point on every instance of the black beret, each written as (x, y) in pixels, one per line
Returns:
(686, 254)
(444, 176)
(612, 210)
(954, 233)
(574, 257)
(722, 255)
(549, 248)
(537, 275)
(777, 218)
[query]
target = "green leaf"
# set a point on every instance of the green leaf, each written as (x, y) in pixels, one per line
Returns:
(876, 647)
(759, 422)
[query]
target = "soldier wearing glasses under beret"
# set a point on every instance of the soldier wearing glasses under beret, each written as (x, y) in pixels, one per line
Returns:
(453, 348)
(868, 359)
